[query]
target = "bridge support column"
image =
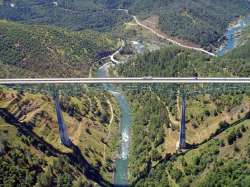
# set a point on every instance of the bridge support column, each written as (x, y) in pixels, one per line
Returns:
(182, 135)
(65, 140)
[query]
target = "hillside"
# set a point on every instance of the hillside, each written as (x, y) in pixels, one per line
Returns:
(68, 38)
(223, 161)
(74, 15)
(30, 139)
(208, 114)
(202, 22)
(35, 51)
(161, 113)
(175, 61)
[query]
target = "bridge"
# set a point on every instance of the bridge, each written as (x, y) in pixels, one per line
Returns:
(131, 80)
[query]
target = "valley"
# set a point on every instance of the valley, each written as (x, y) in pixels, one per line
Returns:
(124, 135)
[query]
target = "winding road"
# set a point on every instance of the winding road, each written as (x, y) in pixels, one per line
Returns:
(171, 40)
(166, 38)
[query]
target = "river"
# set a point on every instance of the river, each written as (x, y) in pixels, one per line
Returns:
(120, 177)
(231, 39)
(121, 172)
(121, 164)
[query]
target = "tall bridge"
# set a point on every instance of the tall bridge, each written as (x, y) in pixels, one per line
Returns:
(132, 80)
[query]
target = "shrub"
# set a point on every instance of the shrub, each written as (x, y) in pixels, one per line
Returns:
(231, 137)
(222, 144)
(238, 133)
(207, 112)
(243, 128)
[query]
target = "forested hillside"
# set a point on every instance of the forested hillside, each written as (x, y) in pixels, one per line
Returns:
(202, 21)
(67, 38)
(71, 14)
(34, 51)
(30, 149)
(217, 120)
(223, 161)
(173, 61)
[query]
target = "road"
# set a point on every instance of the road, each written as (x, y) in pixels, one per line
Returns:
(166, 38)
(130, 80)
(116, 53)
(171, 40)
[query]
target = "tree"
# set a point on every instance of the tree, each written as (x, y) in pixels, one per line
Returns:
(156, 155)
(231, 137)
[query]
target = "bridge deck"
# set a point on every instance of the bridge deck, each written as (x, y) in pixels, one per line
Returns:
(131, 80)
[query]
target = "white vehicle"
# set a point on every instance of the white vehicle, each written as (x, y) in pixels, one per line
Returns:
(147, 78)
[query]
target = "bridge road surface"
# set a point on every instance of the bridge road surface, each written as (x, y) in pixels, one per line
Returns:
(130, 80)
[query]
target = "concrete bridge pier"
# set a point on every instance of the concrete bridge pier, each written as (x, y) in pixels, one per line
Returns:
(65, 140)
(182, 136)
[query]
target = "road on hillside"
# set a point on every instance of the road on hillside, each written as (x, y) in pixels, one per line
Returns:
(171, 40)
(166, 38)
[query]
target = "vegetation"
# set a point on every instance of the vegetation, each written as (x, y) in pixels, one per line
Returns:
(34, 51)
(217, 123)
(209, 165)
(174, 61)
(202, 22)
(209, 115)
(74, 14)
(30, 138)
(148, 148)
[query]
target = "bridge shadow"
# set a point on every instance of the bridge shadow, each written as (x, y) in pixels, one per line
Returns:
(221, 130)
(76, 158)
(89, 171)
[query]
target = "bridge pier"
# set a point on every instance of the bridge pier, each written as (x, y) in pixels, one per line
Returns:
(65, 140)
(182, 136)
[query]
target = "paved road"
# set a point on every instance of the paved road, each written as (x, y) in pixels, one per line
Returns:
(116, 53)
(141, 80)
(171, 40)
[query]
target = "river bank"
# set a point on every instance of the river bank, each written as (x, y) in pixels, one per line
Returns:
(232, 35)
(121, 165)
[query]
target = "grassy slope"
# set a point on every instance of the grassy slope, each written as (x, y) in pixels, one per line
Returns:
(87, 118)
(203, 117)
(214, 163)
(34, 51)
